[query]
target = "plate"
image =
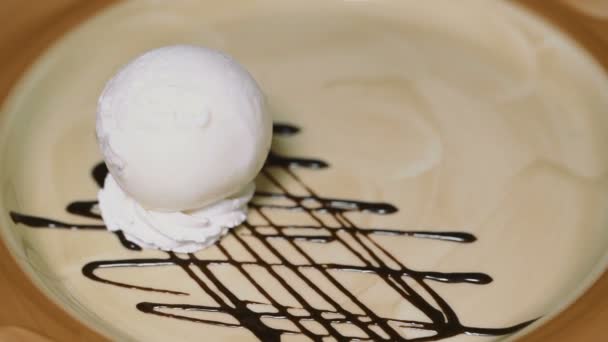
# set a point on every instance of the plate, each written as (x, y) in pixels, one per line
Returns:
(437, 172)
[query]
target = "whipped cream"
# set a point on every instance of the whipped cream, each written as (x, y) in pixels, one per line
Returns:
(182, 232)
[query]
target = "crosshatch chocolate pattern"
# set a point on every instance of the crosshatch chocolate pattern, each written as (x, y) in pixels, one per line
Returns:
(268, 260)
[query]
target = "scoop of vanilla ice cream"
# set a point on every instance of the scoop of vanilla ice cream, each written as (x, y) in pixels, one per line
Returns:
(183, 127)
(183, 131)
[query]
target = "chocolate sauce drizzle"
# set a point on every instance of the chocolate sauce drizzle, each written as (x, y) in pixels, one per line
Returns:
(413, 286)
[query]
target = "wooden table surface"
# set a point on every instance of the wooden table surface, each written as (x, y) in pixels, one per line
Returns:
(29, 26)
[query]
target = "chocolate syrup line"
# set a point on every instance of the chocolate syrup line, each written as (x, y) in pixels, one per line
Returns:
(99, 173)
(460, 237)
(275, 159)
(334, 205)
(126, 243)
(358, 241)
(89, 271)
(83, 208)
(41, 222)
(444, 277)
(153, 308)
(279, 160)
(283, 129)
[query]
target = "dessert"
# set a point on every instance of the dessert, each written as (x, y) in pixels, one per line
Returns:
(404, 224)
(183, 131)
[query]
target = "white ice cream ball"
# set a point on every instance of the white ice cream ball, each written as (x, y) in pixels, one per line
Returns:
(182, 127)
